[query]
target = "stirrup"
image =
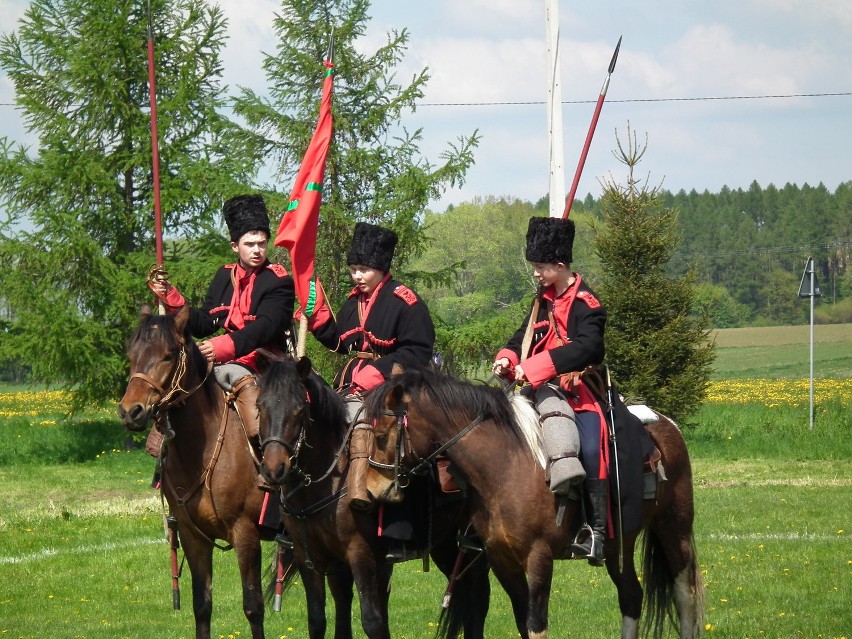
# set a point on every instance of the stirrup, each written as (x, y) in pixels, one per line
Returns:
(284, 540)
(470, 542)
(399, 552)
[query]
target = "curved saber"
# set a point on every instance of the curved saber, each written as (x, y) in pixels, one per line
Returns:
(570, 201)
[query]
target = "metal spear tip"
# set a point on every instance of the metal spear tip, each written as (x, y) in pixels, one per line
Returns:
(329, 54)
(615, 55)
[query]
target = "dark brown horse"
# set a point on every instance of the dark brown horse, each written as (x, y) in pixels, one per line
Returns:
(515, 512)
(208, 472)
(304, 432)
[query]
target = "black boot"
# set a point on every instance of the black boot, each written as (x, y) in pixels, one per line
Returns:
(399, 551)
(590, 539)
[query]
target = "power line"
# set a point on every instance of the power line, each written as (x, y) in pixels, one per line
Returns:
(785, 96)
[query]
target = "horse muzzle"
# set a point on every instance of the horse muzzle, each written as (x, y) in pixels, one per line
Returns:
(381, 484)
(135, 417)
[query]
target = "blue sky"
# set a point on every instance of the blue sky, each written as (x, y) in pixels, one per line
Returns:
(493, 51)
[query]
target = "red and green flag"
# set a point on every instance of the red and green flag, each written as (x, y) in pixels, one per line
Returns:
(298, 229)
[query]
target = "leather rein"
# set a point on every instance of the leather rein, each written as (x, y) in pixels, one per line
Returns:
(404, 448)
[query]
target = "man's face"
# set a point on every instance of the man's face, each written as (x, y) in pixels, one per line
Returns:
(548, 273)
(251, 249)
(365, 278)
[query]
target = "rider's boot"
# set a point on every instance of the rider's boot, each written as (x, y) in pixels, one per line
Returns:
(154, 443)
(246, 393)
(360, 447)
(400, 551)
(590, 540)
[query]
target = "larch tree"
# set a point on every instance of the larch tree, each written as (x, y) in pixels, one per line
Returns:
(78, 237)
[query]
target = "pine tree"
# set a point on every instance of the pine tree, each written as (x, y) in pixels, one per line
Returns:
(80, 234)
(656, 349)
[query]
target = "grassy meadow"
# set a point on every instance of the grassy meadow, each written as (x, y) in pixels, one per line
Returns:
(82, 553)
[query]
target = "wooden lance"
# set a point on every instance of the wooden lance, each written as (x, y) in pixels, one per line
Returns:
(570, 201)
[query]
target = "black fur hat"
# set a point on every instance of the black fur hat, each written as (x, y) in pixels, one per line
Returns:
(550, 240)
(372, 246)
(244, 214)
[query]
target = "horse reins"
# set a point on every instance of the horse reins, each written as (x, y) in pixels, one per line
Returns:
(403, 442)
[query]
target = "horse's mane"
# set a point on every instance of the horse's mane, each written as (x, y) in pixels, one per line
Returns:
(161, 328)
(450, 395)
(282, 379)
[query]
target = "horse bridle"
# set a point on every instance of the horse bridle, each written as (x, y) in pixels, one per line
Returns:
(403, 446)
(167, 400)
(292, 449)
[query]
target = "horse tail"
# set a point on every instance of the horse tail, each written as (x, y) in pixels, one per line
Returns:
(678, 598)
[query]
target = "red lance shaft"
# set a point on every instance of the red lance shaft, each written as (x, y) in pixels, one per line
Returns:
(570, 201)
(155, 145)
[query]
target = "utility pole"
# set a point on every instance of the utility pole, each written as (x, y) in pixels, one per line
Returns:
(810, 288)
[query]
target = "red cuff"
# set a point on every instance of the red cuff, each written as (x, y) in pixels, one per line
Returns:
(539, 368)
(508, 354)
(174, 300)
(224, 348)
(317, 320)
(367, 377)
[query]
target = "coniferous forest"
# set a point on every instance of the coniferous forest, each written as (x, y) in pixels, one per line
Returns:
(746, 250)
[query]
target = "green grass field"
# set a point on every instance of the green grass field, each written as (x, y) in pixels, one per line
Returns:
(82, 553)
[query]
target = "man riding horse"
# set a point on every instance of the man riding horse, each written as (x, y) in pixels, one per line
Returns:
(383, 325)
(563, 336)
(252, 300)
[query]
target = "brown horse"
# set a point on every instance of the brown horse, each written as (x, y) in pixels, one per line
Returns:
(304, 431)
(208, 474)
(515, 512)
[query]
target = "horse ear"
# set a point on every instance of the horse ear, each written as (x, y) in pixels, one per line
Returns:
(394, 398)
(181, 318)
(145, 313)
(262, 360)
(303, 367)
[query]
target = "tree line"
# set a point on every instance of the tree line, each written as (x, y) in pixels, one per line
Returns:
(745, 249)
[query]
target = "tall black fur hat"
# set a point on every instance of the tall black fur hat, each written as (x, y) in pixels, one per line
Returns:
(550, 240)
(372, 246)
(244, 214)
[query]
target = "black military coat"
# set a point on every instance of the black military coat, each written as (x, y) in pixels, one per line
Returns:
(397, 330)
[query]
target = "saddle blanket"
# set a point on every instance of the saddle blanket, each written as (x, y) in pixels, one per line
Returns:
(644, 413)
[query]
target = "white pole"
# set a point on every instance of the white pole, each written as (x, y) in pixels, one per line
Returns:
(813, 294)
(556, 188)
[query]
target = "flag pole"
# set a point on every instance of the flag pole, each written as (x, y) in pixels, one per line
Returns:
(155, 157)
(297, 231)
(601, 97)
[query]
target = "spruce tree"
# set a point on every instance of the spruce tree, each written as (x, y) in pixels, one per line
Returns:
(656, 348)
(375, 172)
(79, 238)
